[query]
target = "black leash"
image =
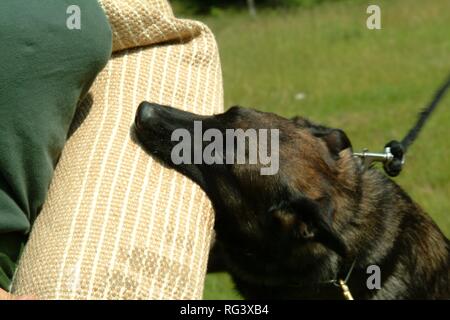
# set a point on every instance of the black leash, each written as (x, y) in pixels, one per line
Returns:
(393, 156)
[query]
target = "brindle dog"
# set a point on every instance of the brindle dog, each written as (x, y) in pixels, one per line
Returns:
(289, 235)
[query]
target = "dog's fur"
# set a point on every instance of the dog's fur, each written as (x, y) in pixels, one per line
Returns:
(288, 235)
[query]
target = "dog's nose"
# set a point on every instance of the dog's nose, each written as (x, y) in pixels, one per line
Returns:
(146, 114)
(153, 116)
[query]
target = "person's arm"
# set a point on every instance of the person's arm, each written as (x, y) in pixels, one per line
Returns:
(45, 68)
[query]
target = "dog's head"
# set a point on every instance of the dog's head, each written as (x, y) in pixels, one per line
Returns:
(264, 220)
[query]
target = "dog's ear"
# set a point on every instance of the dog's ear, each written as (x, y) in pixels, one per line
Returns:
(335, 139)
(308, 219)
(301, 122)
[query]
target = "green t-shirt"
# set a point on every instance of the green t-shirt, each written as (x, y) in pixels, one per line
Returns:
(45, 68)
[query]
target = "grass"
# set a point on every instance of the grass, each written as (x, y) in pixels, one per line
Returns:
(370, 83)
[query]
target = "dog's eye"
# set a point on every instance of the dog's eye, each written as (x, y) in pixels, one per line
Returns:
(283, 219)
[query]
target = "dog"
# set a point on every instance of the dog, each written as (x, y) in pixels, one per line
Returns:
(323, 217)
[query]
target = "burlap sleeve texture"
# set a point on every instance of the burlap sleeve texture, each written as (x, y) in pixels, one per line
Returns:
(117, 225)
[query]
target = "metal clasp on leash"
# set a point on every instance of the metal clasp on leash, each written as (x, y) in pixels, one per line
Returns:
(368, 158)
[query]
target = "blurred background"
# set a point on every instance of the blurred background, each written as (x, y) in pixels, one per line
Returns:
(316, 58)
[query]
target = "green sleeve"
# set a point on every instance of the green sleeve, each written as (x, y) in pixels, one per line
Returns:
(45, 68)
(11, 245)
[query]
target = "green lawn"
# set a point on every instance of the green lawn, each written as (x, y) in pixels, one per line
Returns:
(369, 83)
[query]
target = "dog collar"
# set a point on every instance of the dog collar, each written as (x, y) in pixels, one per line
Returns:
(342, 284)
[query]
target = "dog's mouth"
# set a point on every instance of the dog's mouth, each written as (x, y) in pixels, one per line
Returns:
(160, 128)
(154, 121)
(153, 117)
